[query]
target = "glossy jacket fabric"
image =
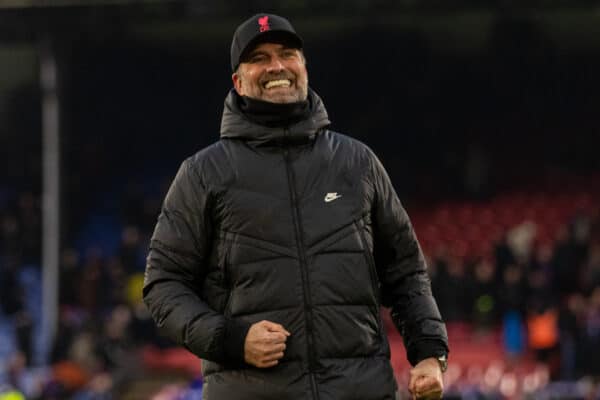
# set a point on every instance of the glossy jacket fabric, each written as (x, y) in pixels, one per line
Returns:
(299, 226)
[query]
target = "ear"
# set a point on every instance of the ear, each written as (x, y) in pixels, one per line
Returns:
(237, 82)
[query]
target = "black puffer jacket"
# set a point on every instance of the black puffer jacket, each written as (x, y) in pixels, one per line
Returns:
(298, 226)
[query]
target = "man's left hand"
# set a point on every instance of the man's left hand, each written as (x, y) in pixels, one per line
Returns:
(426, 380)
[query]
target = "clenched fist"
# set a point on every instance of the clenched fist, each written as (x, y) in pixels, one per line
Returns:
(265, 344)
(426, 381)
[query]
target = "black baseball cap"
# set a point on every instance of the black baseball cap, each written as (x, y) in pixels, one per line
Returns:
(259, 29)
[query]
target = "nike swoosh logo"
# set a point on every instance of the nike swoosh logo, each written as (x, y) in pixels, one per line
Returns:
(332, 196)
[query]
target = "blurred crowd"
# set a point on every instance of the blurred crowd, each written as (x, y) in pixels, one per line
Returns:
(543, 297)
(102, 321)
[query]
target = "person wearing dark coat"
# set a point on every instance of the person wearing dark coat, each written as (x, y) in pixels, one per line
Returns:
(277, 246)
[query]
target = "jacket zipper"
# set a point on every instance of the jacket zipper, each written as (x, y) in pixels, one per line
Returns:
(308, 318)
(372, 273)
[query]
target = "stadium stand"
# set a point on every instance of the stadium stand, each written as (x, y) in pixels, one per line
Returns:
(509, 338)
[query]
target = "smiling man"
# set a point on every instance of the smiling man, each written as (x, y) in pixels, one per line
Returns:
(272, 72)
(277, 246)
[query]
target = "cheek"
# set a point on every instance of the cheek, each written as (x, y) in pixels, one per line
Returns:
(302, 74)
(248, 80)
(303, 79)
(252, 80)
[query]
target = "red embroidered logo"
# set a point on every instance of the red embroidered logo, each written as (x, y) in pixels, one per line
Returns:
(264, 23)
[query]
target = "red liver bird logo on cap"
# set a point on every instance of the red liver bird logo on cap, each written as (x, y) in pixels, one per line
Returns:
(264, 23)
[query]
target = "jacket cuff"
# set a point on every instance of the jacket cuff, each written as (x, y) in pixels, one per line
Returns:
(425, 349)
(234, 339)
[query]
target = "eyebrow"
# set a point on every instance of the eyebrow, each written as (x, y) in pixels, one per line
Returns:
(254, 53)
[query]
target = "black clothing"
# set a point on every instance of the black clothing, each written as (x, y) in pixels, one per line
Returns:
(300, 226)
(272, 114)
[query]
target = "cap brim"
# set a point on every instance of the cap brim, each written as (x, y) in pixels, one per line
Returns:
(286, 38)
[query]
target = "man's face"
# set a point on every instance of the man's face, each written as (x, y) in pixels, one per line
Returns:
(272, 72)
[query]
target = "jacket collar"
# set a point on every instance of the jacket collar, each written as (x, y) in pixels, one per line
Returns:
(236, 125)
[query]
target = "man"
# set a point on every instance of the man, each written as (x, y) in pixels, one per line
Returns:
(277, 245)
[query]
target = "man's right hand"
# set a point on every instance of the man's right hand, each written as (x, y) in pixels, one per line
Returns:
(265, 344)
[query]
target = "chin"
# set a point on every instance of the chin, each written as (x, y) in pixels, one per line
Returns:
(283, 96)
(282, 99)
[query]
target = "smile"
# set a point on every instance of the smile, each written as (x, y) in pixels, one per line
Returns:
(278, 83)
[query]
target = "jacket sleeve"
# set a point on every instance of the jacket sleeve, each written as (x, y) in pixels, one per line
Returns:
(176, 265)
(405, 284)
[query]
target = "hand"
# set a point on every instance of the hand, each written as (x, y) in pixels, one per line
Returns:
(265, 344)
(426, 380)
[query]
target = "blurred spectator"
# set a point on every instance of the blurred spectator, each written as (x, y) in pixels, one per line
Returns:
(503, 256)
(520, 240)
(541, 273)
(565, 263)
(592, 334)
(591, 269)
(484, 310)
(539, 290)
(115, 283)
(10, 235)
(571, 324)
(30, 228)
(513, 332)
(114, 348)
(512, 290)
(93, 283)
(451, 288)
(542, 327)
(132, 252)
(12, 304)
(69, 277)
(143, 328)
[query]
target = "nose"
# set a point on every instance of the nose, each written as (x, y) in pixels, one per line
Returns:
(275, 65)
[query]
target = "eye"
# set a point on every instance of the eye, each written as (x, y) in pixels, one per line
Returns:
(256, 58)
(288, 53)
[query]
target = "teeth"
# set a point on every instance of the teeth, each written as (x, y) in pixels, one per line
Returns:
(281, 82)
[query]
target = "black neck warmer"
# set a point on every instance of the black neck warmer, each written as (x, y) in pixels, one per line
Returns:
(273, 114)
